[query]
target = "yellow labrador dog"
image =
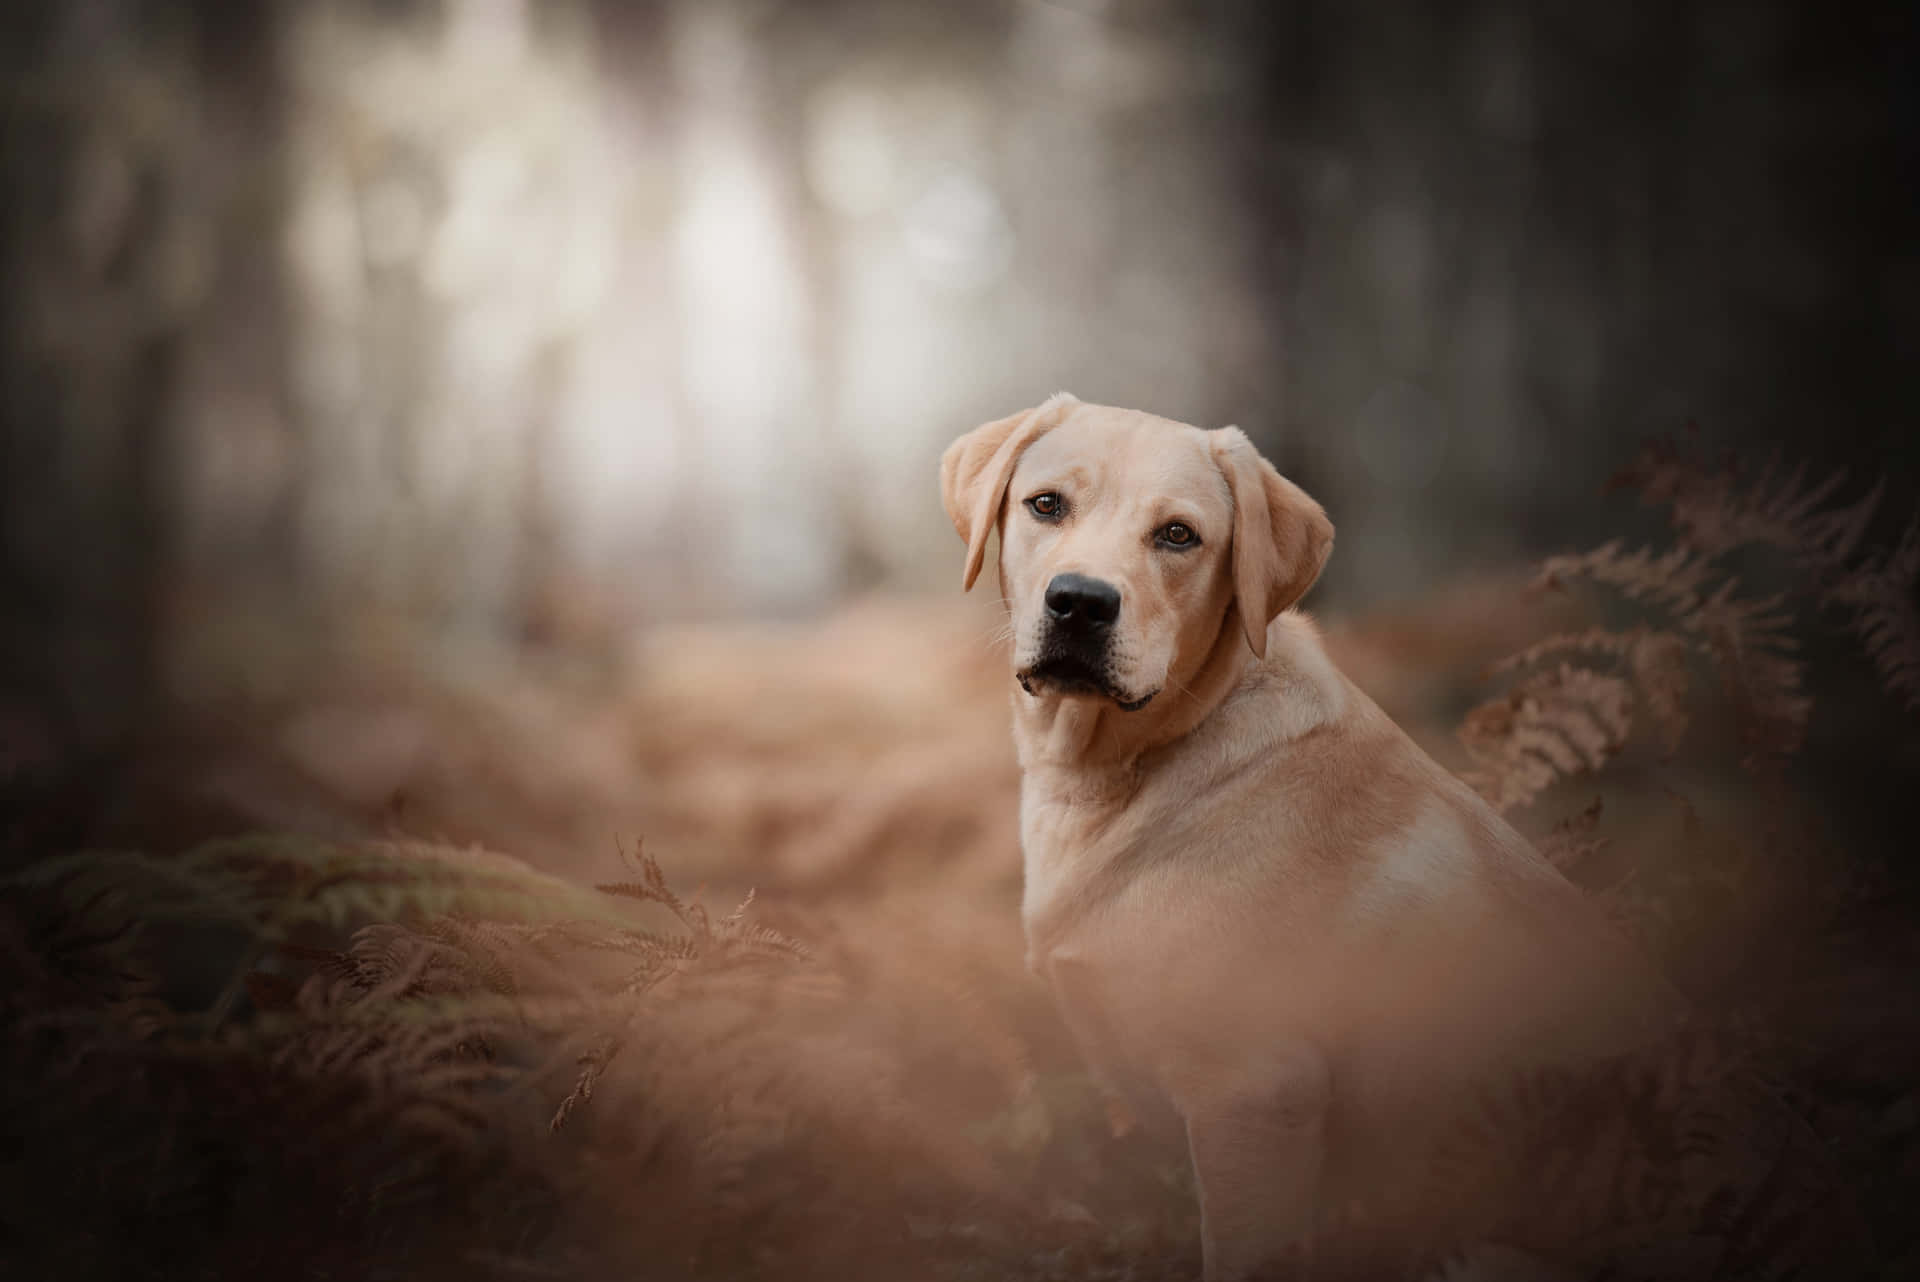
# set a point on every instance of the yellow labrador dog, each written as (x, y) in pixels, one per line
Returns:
(1253, 897)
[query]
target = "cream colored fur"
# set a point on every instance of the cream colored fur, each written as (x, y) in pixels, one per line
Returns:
(1255, 898)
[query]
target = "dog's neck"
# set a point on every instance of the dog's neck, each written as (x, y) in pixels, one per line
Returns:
(1083, 762)
(1092, 746)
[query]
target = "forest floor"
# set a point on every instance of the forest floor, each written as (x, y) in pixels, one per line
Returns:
(315, 981)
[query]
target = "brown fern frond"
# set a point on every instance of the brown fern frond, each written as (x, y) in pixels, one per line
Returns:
(1834, 536)
(484, 956)
(1658, 661)
(694, 917)
(739, 913)
(1885, 618)
(1550, 726)
(1746, 639)
(591, 935)
(592, 1064)
(766, 941)
(656, 950)
(1566, 645)
(1752, 649)
(1776, 509)
(1716, 508)
(1674, 580)
(1571, 842)
(652, 888)
(1623, 1149)
(626, 890)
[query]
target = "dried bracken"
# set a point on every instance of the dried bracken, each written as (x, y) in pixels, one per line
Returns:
(1719, 508)
(1702, 616)
(1880, 594)
(1687, 1142)
(1551, 725)
(1573, 841)
(278, 1056)
(738, 1058)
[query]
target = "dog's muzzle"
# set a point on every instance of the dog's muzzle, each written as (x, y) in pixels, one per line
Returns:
(1075, 653)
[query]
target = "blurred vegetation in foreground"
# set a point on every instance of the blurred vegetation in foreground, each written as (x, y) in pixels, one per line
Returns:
(277, 1003)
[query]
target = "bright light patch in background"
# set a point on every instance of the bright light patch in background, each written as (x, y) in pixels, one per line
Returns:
(743, 366)
(488, 32)
(853, 156)
(617, 462)
(958, 235)
(554, 320)
(393, 222)
(918, 245)
(451, 232)
(737, 285)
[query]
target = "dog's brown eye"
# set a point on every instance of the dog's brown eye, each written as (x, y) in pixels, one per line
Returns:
(1047, 504)
(1178, 534)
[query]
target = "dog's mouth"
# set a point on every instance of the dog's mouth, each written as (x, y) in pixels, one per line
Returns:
(1070, 674)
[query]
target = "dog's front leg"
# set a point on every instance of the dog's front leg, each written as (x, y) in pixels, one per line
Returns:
(1256, 1140)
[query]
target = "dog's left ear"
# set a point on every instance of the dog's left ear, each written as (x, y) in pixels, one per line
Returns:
(976, 469)
(1281, 537)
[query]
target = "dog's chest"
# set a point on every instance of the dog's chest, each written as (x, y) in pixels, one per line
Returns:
(1090, 841)
(1153, 910)
(1083, 845)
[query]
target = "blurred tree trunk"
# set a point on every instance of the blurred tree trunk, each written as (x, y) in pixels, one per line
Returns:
(105, 247)
(141, 193)
(1515, 239)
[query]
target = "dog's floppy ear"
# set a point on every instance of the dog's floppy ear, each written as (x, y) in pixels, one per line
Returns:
(1281, 537)
(975, 471)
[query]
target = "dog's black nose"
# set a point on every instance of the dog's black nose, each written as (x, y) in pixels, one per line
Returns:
(1078, 602)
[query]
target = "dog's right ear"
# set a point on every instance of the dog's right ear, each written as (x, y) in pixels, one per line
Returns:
(975, 471)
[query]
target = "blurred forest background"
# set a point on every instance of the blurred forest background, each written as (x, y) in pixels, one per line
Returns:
(513, 423)
(550, 321)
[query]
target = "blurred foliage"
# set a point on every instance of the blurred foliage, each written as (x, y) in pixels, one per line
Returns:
(397, 1056)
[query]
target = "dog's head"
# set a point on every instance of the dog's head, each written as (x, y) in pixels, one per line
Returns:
(1124, 541)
